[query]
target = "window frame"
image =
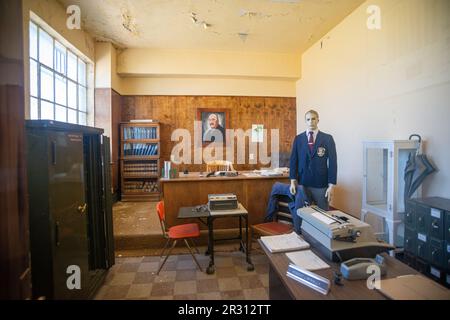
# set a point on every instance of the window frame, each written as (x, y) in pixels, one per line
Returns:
(55, 73)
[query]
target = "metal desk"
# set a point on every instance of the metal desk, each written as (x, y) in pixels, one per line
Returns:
(241, 213)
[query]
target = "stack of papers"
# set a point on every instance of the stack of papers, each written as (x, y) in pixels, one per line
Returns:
(307, 260)
(284, 242)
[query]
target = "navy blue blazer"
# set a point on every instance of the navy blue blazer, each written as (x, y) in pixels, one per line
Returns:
(316, 169)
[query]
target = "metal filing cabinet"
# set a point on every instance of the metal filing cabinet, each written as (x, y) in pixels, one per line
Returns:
(70, 209)
(427, 237)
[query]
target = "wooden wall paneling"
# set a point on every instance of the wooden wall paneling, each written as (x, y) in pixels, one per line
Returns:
(116, 118)
(180, 112)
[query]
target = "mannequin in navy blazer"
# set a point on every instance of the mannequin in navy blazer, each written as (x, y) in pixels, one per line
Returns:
(313, 163)
(316, 169)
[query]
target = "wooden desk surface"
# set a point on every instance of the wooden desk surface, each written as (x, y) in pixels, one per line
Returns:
(351, 290)
(196, 176)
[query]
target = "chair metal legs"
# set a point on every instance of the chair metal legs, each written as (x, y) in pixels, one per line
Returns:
(165, 247)
(170, 251)
(192, 254)
(194, 245)
(168, 254)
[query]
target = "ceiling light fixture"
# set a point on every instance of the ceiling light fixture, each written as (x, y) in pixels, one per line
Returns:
(243, 36)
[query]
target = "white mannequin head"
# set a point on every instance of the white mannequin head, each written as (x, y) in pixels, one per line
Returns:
(311, 119)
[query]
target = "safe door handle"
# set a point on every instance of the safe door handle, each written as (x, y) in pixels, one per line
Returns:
(57, 234)
(82, 208)
(53, 152)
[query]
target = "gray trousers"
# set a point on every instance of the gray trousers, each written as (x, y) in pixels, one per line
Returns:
(318, 196)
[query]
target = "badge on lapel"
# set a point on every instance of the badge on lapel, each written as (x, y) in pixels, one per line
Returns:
(321, 151)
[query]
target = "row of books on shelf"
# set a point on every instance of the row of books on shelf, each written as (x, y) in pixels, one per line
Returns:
(140, 167)
(141, 186)
(140, 149)
(140, 173)
(140, 133)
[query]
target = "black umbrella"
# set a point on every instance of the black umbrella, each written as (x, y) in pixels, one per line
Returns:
(418, 167)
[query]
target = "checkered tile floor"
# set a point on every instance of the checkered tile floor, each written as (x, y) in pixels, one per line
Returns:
(180, 279)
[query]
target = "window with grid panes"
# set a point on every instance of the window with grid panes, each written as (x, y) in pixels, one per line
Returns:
(58, 80)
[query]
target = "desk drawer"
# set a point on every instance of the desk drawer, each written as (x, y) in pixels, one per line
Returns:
(422, 216)
(422, 246)
(447, 226)
(436, 227)
(447, 255)
(409, 214)
(437, 253)
(436, 273)
(410, 241)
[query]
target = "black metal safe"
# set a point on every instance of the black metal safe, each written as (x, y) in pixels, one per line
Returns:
(71, 234)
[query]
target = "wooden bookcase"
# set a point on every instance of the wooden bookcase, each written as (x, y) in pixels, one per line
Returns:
(140, 161)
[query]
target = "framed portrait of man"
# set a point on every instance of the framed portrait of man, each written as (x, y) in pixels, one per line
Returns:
(214, 124)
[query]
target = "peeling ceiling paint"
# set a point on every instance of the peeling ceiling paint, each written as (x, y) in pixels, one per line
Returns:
(285, 26)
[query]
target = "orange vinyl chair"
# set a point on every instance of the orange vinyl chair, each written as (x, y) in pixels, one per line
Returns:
(184, 232)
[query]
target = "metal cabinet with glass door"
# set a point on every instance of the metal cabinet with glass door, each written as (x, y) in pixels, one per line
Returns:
(71, 241)
(384, 185)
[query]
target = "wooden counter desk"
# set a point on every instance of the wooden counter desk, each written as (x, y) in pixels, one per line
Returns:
(192, 190)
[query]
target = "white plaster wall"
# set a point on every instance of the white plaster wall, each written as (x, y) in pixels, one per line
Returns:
(382, 84)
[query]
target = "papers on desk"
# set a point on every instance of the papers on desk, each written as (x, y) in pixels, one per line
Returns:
(307, 259)
(271, 173)
(413, 287)
(284, 242)
(251, 174)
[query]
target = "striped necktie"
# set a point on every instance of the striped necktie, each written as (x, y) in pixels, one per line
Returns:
(311, 141)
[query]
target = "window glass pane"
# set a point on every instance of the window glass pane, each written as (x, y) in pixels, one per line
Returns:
(60, 90)
(33, 78)
(60, 58)
(71, 66)
(47, 110)
(33, 41)
(82, 118)
(34, 113)
(72, 95)
(81, 98)
(60, 113)
(81, 72)
(46, 84)
(72, 116)
(45, 48)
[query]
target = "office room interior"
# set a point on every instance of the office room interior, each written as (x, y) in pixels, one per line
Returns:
(252, 150)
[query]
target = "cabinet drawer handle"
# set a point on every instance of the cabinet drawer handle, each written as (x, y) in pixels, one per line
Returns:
(435, 225)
